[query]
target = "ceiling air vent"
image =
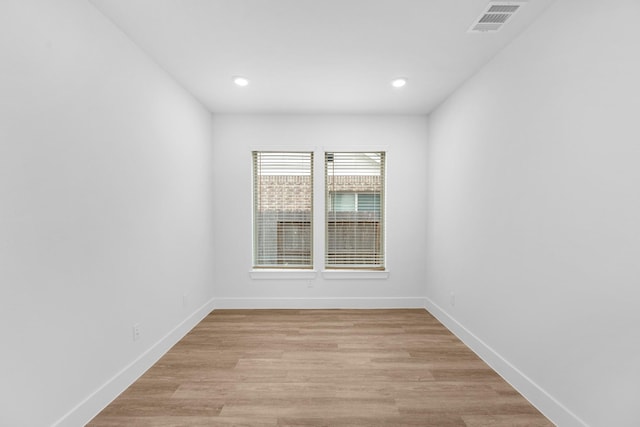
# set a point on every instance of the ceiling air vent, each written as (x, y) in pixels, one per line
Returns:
(495, 15)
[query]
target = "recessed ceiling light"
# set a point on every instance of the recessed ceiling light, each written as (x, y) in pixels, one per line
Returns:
(399, 82)
(241, 81)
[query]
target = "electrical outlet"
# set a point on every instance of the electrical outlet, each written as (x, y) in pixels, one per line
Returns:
(136, 332)
(452, 299)
(309, 283)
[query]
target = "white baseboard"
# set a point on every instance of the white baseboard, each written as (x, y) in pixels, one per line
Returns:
(318, 303)
(537, 396)
(82, 413)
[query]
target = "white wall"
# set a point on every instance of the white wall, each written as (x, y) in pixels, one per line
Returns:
(534, 205)
(105, 211)
(405, 140)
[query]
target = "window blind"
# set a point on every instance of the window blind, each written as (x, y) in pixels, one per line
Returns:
(354, 210)
(282, 209)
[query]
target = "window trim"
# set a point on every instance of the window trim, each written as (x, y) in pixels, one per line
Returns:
(283, 274)
(351, 274)
(382, 212)
(254, 224)
(318, 219)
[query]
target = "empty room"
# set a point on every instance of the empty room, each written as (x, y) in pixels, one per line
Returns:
(319, 213)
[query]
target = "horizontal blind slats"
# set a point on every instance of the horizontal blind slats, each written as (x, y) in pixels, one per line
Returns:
(283, 203)
(354, 209)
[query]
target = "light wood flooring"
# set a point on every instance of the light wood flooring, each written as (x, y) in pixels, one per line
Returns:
(320, 368)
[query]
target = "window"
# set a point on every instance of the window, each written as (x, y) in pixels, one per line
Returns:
(350, 202)
(354, 210)
(282, 209)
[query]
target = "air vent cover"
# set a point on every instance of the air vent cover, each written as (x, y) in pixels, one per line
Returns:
(495, 15)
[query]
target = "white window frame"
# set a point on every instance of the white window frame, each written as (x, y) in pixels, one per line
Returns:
(306, 275)
(279, 268)
(380, 253)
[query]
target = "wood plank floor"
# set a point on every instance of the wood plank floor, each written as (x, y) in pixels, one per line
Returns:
(320, 368)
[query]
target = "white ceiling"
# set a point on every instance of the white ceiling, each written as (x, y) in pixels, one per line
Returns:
(316, 56)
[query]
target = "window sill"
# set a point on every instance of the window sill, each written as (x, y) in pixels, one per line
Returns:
(355, 275)
(283, 274)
